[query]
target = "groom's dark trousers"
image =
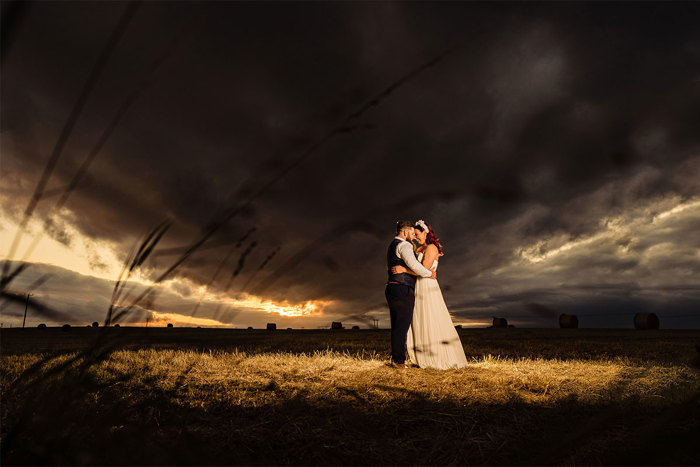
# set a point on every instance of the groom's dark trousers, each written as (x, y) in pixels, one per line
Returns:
(401, 298)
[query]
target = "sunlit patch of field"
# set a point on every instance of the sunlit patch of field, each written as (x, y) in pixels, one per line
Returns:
(228, 406)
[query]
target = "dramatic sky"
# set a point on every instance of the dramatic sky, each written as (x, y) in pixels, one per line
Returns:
(554, 148)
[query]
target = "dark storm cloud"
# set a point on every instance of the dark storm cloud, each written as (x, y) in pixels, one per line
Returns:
(542, 122)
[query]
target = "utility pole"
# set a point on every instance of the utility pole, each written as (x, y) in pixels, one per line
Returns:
(26, 305)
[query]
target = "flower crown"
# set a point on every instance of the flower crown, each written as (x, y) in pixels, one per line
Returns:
(423, 225)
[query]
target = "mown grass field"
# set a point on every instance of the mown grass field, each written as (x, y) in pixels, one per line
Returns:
(210, 396)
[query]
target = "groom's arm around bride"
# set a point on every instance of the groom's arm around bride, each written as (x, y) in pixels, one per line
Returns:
(414, 267)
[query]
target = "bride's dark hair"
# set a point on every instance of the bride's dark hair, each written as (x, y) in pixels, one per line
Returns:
(430, 238)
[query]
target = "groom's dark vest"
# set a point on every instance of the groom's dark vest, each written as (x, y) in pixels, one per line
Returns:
(393, 260)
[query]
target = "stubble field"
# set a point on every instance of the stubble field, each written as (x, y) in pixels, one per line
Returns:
(209, 396)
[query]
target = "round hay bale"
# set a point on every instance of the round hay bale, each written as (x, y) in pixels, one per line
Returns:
(250, 328)
(95, 324)
(289, 329)
(355, 328)
(500, 323)
(170, 325)
(65, 327)
(42, 326)
(271, 327)
(646, 321)
(117, 326)
(336, 325)
(568, 321)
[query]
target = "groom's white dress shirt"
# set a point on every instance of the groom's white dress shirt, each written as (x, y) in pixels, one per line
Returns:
(404, 250)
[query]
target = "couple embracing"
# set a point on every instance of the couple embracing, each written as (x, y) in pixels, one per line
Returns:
(420, 322)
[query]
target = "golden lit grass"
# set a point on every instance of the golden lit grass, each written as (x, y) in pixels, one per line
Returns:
(489, 379)
(181, 406)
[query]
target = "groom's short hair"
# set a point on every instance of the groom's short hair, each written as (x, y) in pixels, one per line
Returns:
(400, 225)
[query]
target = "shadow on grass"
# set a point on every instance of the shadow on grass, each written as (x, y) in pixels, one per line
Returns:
(78, 417)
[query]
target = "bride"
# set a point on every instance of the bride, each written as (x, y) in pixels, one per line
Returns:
(432, 339)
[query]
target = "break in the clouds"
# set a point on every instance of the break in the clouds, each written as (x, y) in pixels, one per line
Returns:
(67, 296)
(554, 149)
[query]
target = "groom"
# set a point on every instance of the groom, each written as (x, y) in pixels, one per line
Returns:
(400, 289)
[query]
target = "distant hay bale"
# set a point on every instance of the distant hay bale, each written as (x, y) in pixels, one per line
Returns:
(42, 326)
(289, 329)
(355, 328)
(568, 321)
(170, 325)
(95, 324)
(646, 321)
(499, 323)
(250, 328)
(271, 327)
(336, 325)
(66, 327)
(116, 326)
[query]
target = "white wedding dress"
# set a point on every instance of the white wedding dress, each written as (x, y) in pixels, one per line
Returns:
(432, 340)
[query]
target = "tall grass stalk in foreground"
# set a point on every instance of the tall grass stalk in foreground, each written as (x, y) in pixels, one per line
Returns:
(132, 262)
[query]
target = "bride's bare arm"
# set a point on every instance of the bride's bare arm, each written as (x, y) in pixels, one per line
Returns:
(430, 254)
(402, 270)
